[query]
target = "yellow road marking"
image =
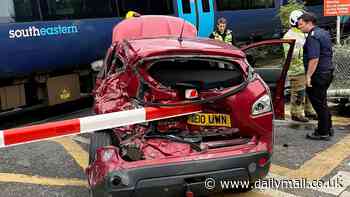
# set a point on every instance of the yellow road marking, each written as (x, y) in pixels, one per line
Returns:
(320, 165)
(279, 170)
(21, 178)
(79, 154)
(324, 162)
(341, 121)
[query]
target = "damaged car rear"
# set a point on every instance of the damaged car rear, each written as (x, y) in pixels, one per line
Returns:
(230, 139)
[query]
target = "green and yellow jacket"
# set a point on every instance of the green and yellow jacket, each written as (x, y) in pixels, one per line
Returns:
(297, 67)
(226, 37)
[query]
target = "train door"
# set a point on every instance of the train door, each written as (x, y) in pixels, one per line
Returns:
(198, 12)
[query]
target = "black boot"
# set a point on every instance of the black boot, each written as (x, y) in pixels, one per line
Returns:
(331, 132)
(317, 136)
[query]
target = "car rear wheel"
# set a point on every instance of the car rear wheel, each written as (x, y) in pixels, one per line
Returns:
(97, 140)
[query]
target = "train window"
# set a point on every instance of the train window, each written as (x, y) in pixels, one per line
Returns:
(313, 2)
(77, 9)
(18, 11)
(146, 7)
(260, 4)
(100, 9)
(206, 6)
(61, 9)
(7, 12)
(186, 6)
(223, 5)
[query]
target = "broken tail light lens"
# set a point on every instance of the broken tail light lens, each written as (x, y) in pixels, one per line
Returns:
(191, 94)
(262, 105)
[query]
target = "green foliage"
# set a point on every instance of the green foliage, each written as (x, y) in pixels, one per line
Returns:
(285, 11)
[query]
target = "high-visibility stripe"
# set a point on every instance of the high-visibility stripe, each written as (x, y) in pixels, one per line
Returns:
(153, 113)
(2, 142)
(107, 121)
(43, 131)
(46, 131)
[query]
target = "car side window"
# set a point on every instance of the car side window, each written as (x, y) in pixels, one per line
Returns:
(106, 63)
(116, 66)
(267, 56)
(268, 61)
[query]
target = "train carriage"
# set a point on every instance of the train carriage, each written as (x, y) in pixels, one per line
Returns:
(47, 46)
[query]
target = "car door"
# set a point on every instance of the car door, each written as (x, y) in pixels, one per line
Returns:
(198, 12)
(271, 60)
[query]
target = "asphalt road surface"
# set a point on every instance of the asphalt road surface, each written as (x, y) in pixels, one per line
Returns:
(55, 168)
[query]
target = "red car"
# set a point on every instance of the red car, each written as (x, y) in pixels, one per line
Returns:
(159, 61)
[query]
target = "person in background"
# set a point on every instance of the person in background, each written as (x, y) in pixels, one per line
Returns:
(301, 108)
(318, 54)
(132, 14)
(222, 33)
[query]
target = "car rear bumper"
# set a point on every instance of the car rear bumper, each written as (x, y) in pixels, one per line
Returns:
(175, 178)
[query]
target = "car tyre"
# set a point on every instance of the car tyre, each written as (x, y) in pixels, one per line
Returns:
(90, 193)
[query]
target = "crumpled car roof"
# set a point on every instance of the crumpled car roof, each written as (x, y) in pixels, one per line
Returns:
(152, 26)
(171, 46)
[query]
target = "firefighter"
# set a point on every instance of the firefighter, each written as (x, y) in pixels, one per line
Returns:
(222, 33)
(132, 14)
(301, 108)
(319, 68)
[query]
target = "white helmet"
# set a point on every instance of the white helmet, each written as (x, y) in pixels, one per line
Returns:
(294, 16)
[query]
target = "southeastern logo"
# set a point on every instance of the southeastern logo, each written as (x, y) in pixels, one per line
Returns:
(43, 31)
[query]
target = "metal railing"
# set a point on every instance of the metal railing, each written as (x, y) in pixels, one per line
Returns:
(340, 86)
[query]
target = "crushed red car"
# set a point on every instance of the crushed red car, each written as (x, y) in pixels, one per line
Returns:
(159, 61)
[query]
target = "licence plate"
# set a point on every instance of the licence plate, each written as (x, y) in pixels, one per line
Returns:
(205, 119)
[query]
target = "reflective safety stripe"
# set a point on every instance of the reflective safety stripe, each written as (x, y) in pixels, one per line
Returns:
(41, 132)
(107, 121)
(90, 124)
(2, 140)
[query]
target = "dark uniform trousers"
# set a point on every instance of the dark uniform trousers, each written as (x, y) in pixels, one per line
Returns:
(318, 97)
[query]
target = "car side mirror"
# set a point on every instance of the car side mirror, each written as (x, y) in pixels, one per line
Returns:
(97, 65)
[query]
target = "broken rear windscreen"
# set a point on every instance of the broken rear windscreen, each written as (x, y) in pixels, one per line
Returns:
(203, 74)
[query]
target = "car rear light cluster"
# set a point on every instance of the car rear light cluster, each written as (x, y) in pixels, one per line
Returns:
(191, 94)
(262, 105)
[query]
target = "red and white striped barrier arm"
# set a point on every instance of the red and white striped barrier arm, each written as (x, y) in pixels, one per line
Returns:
(46, 131)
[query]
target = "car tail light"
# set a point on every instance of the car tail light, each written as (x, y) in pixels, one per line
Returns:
(108, 155)
(191, 94)
(263, 161)
(262, 105)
